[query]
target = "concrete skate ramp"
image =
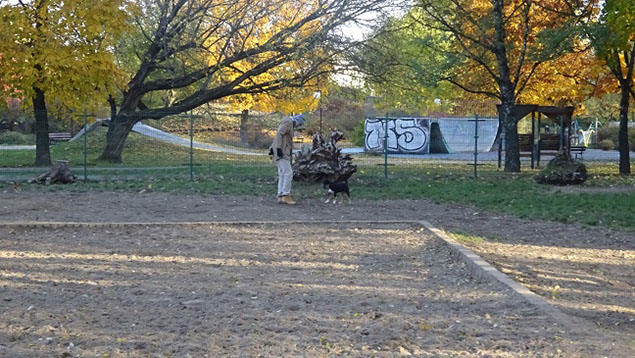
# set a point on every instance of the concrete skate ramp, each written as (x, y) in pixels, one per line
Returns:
(437, 143)
(171, 138)
(456, 135)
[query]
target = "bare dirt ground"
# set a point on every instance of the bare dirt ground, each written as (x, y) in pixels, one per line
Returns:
(310, 290)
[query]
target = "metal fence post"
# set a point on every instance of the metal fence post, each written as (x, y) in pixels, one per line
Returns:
(475, 146)
(191, 146)
(85, 145)
(476, 120)
(386, 149)
(533, 139)
(500, 134)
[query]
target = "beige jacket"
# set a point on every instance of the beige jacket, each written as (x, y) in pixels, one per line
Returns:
(283, 141)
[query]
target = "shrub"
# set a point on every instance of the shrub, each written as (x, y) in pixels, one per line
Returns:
(358, 134)
(16, 138)
(562, 170)
(606, 144)
(261, 139)
(613, 134)
(337, 113)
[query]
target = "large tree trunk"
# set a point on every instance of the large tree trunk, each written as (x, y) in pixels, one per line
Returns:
(118, 130)
(625, 161)
(243, 126)
(42, 150)
(510, 126)
(508, 111)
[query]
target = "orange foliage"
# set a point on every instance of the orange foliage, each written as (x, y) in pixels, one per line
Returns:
(562, 79)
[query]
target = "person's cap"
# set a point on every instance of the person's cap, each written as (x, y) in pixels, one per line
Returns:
(298, 119)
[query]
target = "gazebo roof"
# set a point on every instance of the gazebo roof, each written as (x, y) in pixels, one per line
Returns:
(554, 113)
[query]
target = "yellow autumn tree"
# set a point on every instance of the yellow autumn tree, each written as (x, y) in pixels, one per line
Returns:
(62, 50)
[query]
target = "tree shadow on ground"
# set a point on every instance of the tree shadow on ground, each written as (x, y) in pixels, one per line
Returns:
(245, 290)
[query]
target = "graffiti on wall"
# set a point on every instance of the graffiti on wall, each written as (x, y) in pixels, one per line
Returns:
(405, 135)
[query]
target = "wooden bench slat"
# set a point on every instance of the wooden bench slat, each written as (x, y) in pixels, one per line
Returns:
(61, 136)
(542, 152)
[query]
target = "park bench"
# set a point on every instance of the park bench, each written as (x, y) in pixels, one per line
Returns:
(577, 150)
(549, 144)
(59, 137)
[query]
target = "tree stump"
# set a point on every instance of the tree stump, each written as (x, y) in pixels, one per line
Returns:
(323, 161)
(60, 173)
(562, 170)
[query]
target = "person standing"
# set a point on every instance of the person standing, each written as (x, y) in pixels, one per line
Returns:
(281, 151)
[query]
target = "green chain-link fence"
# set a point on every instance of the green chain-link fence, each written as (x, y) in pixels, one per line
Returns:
(212, 144)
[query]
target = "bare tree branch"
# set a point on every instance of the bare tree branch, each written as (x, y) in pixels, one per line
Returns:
(523, 50)
(527, 79)
(205, 50)
(470, 90)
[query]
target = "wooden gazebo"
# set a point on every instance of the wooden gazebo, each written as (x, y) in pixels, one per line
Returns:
(558, 115)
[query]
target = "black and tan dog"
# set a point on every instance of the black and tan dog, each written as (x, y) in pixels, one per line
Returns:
(337, 187)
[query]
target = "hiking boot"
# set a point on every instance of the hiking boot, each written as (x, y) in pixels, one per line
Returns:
(288, 199)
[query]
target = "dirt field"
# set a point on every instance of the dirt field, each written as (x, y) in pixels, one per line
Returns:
(303, 290)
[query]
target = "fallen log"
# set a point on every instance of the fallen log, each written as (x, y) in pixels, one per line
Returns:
(59, 173)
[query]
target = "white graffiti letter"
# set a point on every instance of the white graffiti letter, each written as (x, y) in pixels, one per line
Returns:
(411, 136)
(374, 130)
(392, 135)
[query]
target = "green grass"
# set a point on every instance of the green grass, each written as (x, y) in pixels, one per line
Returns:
(140, 151)
(605, 200)
(464, 237)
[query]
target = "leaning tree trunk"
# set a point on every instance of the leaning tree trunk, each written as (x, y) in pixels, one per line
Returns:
(510, 126)
(625, 161)
(118, 130)
(113, 106)
(42, 150)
